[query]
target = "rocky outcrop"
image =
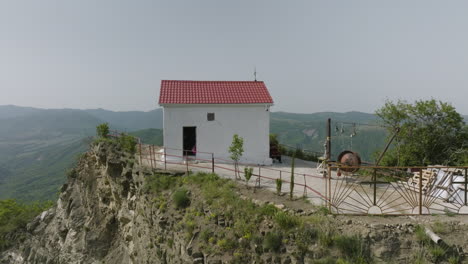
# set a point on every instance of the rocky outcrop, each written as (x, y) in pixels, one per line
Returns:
(102, 215)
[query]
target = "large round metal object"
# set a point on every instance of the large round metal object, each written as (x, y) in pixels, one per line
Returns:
(349, 158)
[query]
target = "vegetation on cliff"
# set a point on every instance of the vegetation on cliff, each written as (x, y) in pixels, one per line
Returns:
(15, 215)
(225, 226)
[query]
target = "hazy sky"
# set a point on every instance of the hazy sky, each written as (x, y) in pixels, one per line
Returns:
(313, 55)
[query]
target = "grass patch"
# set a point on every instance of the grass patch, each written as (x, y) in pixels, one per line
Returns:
(421, 236)
(158, 183)
(286, 221)
(353, 248)
(440, 228)
(436, 252)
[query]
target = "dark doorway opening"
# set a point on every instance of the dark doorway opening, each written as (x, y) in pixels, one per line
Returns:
(190, 141)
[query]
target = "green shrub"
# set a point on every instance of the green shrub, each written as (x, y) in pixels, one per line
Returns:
(102, 130)
(454, 260)
(421, 235)
(269, 210)
(279, 184)
(419, 256)
(272, 241)
(436, 252)
(440, 228)
(323, 210)
(353, 247)
(72, 173)
(128, 143)
(248, 174)
(226, 244)
(205, 235)
(181, 198)
(305, 237)
(286, 221)
(157, 183)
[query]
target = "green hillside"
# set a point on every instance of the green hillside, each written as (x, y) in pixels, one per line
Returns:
(37, 148)
(308, 131)
(152, 136)
(129, 121)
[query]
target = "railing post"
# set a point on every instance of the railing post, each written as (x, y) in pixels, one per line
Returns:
(165, 158)
(375, 186)
(466, 184)
(329, 188)
(186, 161)
(212, 162)
(259, 175)
(420, 191)
(325, 178)
(305, 184)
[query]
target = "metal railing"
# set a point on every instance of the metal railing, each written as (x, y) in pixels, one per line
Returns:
(398, 190)
(308, 185)
(370, 190)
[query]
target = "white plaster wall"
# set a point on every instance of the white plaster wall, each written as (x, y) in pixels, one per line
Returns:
(251, 122)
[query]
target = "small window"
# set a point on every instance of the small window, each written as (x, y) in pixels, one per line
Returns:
(210, 116)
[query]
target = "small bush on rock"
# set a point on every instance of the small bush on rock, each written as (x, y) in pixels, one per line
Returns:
(128, 143)
(102, 130)
(286, 221)
(181, 198)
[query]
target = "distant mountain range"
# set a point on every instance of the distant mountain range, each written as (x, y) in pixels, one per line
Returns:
(38, 145)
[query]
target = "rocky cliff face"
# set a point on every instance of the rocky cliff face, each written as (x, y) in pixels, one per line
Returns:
(102, 216)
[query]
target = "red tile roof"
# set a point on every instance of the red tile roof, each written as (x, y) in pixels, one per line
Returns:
(214, 92)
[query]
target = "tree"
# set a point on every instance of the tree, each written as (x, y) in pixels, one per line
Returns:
(102, 130)
(291, 184)
(431, 132)
(236, 149)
